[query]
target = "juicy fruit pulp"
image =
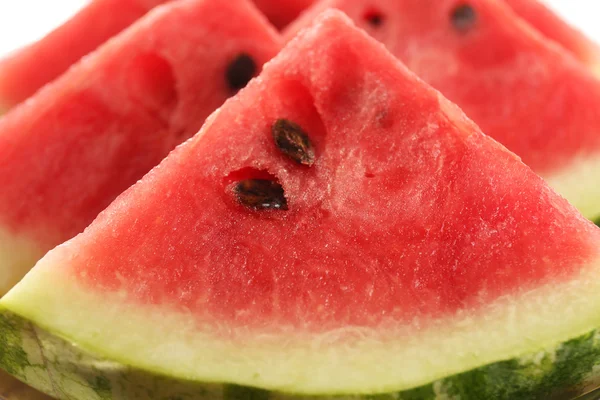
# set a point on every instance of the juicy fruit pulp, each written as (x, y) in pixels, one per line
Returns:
(27, 70)
(76, 145)
(411, 248)
(522, 90)
(281, 13)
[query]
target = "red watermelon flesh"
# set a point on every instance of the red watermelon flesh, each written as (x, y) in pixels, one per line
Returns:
(551, 25)
(72, 148)
(521, 89)
(21, 74)
(282, 12)
(25, 71)
(388, 218)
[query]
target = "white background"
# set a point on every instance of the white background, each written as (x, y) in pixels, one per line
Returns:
(22, 21)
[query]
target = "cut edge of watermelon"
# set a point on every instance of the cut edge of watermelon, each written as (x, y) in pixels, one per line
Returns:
(578, 183)
(352, 360)
(17, 255)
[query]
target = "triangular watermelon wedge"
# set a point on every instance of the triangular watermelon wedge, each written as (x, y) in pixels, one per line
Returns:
(70, 150)
(26, 70)
(336, 229)
(522, 89)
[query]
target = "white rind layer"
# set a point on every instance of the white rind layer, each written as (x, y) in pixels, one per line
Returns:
(350, 360)
(17, 256)
(580, 185)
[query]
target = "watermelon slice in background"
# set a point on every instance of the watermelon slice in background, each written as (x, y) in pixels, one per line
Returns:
(336, 229)
(72, 148)
(552, 26)
(25, 71)
(519, 87)
(281, 13)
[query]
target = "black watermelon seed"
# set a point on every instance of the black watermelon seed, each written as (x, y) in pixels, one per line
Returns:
(260, 194)
(240, 71)
(463, 17)
(291, 139)
(374, 18)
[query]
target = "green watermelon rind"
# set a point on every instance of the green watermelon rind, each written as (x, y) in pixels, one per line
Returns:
(66, 371)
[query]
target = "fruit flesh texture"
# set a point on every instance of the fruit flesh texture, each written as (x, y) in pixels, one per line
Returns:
(70, 150)
(275, 298)
(281, 13)
(522, 90)
(26, 70)
(552, 26)
(404, 173)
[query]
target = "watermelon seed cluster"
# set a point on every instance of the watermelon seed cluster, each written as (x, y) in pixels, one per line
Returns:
(267, 194)
(240, 71)
(463, 17)
(292, 141)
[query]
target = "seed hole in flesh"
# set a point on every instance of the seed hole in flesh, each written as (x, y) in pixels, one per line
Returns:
(256, 189)
(239, 71)
(369, 175)
(374, 17)
(260, 194)
(152, 85)
(463, 17)
(293, 141)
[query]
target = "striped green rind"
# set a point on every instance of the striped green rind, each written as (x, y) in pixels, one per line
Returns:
(66, 371)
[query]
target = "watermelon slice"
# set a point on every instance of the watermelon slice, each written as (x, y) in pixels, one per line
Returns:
(520, 88)
(551, 25)
(22, 74)
(70, 150)
(337, 228)
(25, 71)
(533, 11)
